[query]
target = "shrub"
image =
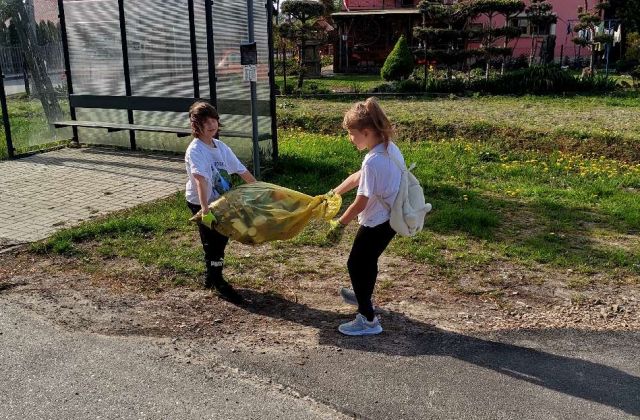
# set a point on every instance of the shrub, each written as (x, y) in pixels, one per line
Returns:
(407, 86)
(446, 85)
(633, 46)
(626, 65)
(597, 84)
(538, 80)
(399, 63)
(384, 88)
(517, 63)
(292, 67)
(635, 75)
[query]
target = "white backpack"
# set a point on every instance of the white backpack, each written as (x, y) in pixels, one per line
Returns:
(409, 208)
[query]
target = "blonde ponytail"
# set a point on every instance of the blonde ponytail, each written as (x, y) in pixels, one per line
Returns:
(369, 114)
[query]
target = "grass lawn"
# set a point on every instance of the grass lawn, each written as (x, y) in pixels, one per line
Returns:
(607, 125)
(29, 127)
(493, 206)
(337, 83)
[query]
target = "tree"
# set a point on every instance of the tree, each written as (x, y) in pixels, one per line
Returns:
(589, 20)
(442, 35)
(303, 15)
(20, 12)
(540, 15)
(629, 12)
(490, 35)
(399, 62)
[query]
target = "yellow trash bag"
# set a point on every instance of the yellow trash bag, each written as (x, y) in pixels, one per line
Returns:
(261, 212)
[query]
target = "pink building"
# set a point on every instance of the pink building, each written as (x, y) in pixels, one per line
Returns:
(368, 30)
(567, 13)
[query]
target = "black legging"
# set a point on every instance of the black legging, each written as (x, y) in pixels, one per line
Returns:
(213, 244)
(368, 245)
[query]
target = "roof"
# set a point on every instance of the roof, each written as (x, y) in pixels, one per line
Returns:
(410, 11)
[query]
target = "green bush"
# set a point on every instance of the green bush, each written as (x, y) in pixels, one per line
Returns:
(446, 85)
(541, 80)
(635, 75)
(326, 60)
(292, 67)
(626, 65)
(407, 86)
(399, 63)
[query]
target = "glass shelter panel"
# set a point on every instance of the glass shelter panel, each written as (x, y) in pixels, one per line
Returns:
(160, 65)
(230, 23)
(32, 63)
(95, 56)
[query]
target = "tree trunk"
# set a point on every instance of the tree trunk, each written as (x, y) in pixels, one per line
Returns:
(44, 87)
(489, 44)
(532, 53)
(426, 67)
(284, 68)
(301, 69)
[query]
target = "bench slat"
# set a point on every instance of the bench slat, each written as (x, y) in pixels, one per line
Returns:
(153, 103)
(180, 131)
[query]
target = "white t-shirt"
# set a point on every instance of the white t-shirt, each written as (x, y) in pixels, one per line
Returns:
(215, 164)
(379, 179)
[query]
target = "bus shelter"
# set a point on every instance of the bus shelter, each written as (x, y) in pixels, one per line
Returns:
(133, 68)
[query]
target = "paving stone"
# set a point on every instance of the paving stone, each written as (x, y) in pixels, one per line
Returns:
(66, 186)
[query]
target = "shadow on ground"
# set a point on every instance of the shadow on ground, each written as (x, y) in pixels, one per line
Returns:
(404, 336)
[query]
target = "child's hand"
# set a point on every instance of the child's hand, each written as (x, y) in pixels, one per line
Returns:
(208, 219)
(336, 230)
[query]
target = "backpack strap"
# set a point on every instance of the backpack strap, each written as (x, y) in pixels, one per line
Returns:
(402, 169)
(400, 165)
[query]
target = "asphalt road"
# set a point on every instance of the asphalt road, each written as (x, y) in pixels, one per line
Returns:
(50, 373)
(411, 371)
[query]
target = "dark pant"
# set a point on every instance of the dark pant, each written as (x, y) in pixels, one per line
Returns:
(369, 244)
(213, 244)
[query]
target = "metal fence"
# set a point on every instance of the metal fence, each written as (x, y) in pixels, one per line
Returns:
(13, 64)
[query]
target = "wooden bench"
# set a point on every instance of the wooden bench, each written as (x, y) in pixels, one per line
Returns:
(180, 131)
(149, 103)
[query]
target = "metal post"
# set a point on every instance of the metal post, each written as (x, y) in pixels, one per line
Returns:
(272, 81)
(67, 66)
(125, 64)
(254, 99)
(211, 58)
(194, 50)
(25, 75)
(607, 49)
(5, 115)
(340, 47)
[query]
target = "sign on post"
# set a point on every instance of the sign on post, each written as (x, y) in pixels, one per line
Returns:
(249, 60)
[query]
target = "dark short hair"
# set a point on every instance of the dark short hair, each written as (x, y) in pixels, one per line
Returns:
(199, 112)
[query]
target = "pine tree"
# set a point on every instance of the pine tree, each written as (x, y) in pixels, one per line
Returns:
(303, 15)
(399, 62)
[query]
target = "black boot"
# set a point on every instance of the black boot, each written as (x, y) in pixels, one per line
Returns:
(214, 280)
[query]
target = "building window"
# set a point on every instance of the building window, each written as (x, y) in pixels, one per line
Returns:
(527, 30)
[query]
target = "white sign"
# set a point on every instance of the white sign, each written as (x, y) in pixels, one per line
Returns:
(250, 73)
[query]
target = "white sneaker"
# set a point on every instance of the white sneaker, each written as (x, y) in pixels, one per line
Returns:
(360, 326)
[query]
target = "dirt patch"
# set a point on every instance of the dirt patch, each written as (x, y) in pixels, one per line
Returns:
(292, 297)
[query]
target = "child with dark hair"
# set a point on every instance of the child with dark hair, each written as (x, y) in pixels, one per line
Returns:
(209, 162)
